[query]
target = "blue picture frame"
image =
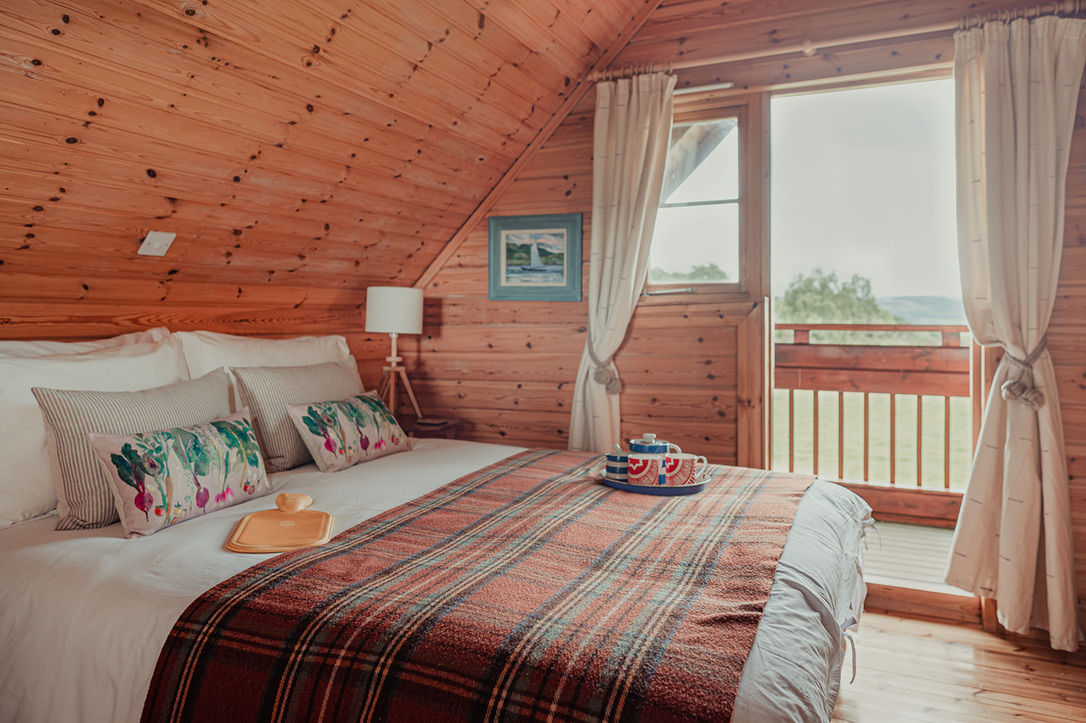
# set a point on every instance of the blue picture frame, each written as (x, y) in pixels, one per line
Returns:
(535, 258)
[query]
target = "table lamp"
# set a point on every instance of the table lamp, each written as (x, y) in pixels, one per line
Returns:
(394, 310)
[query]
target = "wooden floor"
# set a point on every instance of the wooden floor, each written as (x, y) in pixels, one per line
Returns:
(918, 670)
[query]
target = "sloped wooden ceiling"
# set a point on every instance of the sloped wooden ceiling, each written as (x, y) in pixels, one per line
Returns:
(327, 144)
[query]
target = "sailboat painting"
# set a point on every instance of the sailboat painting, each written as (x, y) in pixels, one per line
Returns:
(525, 254)
(536, 257)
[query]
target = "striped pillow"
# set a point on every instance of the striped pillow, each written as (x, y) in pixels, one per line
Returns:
(84, 498)
(267, 391)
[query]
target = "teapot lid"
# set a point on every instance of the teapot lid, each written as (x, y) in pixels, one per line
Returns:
(647, 437)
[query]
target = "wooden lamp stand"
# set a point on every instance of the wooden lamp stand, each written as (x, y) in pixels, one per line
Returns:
(393, 372)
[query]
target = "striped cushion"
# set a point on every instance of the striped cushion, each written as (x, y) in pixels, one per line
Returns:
(267, 391)
(84, 499)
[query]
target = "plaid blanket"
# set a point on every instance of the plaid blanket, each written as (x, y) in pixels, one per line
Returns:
(524, 591)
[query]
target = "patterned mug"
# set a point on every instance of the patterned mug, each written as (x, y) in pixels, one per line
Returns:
(648, 469)
(685, 469)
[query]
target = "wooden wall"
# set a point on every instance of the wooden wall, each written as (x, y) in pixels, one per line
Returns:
(301, 150)
(508, 369)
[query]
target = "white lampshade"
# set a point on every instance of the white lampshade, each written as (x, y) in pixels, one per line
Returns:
(394, 310)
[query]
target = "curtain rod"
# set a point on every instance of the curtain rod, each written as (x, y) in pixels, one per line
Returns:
(1061, 7)
(632, 70)
(810, 47)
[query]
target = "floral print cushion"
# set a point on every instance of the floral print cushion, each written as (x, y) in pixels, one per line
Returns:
(340, 434)
(164, 477)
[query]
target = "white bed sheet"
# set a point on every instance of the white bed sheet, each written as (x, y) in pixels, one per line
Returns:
(84, 614)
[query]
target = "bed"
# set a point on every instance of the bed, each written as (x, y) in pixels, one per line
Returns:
(85, 614)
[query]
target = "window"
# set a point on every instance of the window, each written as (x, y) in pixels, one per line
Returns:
(696, 240)
(863, 185)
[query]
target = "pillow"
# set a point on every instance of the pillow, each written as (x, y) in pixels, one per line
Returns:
(206, 351)
(164, 477)
(268, 390)
(83, 490)
(26, 476)
(344, 433)
(25, 349)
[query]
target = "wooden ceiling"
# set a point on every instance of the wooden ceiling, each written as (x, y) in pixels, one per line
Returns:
(300, 142)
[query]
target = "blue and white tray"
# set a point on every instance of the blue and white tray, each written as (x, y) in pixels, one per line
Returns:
(662, 490)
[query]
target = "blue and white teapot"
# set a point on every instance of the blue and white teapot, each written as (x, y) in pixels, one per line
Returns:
(649, 444)
(617, 469)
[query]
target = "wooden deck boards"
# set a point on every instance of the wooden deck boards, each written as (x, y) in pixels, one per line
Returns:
(908, 556)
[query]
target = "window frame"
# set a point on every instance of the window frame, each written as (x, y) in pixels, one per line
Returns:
(750, 113)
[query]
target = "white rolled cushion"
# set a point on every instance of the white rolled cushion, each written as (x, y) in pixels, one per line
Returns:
(206, 351)
(26, 473)
(267, 391)
(27, 349)
(342, 433)
(167, 476)
(84, 498)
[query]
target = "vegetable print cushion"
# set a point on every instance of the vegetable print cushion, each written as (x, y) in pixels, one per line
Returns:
(343, 433)
(164, 477)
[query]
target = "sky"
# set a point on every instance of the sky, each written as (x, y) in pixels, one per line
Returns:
(863, 182)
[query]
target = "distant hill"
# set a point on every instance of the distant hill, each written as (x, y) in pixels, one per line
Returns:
(925, 309)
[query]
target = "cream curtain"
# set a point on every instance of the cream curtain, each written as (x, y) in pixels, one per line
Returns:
(1017, 89)
(632, 130)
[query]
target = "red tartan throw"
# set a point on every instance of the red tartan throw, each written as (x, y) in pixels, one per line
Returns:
(522, 592)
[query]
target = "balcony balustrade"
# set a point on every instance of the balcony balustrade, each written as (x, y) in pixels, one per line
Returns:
(884, 385)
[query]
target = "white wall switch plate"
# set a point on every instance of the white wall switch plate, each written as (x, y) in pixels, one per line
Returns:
(157, 243)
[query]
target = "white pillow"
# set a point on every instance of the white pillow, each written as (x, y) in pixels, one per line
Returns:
(25, 349)
(206, 351)
(26, 475)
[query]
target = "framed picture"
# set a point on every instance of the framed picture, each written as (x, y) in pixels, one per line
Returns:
(535, 258)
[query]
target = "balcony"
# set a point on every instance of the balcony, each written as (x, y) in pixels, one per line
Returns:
(889, 411)
(875, 403)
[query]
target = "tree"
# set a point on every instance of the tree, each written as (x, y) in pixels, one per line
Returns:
(822, 298)
(698, 274)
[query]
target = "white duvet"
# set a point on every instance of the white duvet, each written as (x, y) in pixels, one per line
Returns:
(84, 614)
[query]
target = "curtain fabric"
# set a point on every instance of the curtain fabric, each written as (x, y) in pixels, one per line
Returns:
(1016, 89)
(632, 131)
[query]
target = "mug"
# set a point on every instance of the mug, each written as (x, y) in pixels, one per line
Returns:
(648, 469)
(649, 444)
(685, 469)
(617, 465)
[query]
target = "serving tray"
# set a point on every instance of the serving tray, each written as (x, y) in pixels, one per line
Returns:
(289, 527)
(661, 490)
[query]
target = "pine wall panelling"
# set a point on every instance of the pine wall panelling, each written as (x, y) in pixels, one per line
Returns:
(300, 150)
(509, 372)
(762, 46)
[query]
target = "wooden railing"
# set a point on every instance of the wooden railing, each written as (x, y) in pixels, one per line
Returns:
(939, 368)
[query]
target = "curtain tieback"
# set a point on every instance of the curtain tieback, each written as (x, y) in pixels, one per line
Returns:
(604, 374)
(1021, 389)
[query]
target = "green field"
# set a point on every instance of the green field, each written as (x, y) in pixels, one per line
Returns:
(961, 437)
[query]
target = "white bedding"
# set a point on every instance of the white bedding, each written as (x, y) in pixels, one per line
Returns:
(83, 614)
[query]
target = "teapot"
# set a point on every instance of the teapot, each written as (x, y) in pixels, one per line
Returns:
(649, 444)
